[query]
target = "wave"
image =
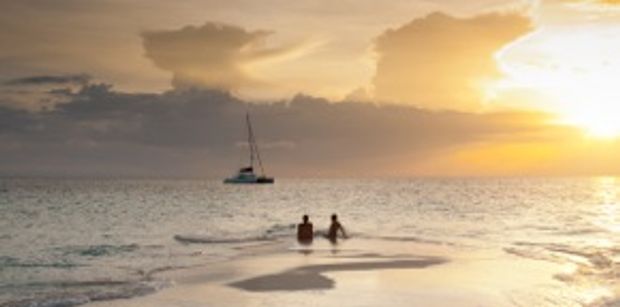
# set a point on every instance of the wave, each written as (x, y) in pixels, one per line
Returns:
(598, 257)
(404, 239)
(74, 293)
(415, 239)
(272, 233)
(593, 265)
(66, 300)
(279, 231)
(198, 239)
(580, 231)
(11, 262)
(100, 250)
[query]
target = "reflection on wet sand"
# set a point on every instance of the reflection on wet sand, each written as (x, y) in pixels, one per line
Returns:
(311, 277)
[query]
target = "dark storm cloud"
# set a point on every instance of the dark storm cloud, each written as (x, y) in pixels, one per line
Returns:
(40, 91)
(197, 132)
(50, 80)
(15, 120)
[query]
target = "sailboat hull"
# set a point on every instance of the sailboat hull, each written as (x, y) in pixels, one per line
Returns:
(258, 180)
(265, 180)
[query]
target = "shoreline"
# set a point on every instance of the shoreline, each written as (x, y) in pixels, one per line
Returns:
(382, 273)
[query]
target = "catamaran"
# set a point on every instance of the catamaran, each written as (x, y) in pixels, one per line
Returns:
(246, 174)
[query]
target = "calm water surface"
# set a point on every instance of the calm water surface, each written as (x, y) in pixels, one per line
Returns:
(73, 241)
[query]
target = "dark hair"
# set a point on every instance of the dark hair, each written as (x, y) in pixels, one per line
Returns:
(334, 217)
(305, 217)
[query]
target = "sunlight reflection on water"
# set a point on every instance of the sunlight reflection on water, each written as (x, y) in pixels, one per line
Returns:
(121, 230)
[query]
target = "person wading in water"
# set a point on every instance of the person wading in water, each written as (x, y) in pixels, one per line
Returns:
(305, 233)
(332, 233)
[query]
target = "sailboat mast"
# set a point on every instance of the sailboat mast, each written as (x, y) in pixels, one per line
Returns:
(250, 139)
(253, 146)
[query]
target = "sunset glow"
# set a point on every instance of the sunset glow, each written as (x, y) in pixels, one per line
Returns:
(572, 71)
(485, 87)
(269, 153)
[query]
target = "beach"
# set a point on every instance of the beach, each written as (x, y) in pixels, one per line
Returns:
(401, 274)
(309, 153)
(418, 242)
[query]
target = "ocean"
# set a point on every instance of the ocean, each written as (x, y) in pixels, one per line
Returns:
(66, 242)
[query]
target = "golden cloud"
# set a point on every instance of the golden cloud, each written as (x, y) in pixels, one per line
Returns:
(440, 61)
(213, 55)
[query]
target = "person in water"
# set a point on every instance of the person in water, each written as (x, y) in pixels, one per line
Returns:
(305, 233)
(332, 233)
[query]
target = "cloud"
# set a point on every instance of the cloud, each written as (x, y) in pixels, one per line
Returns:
(442, 62)
(604, 2)
(579, 12)
(40, 91)
(213, 55)
(50, 80)
(195, 129)
(196, 132)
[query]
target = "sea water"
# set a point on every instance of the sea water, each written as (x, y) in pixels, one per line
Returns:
(66, 242)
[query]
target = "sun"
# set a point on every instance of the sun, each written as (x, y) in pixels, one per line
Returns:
(602, 126)
(572, 72)
(603, 131)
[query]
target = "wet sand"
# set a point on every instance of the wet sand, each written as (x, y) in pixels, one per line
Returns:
(312, 277)
(390, 274)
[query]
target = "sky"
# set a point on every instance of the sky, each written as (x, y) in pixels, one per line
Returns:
(335, 88)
